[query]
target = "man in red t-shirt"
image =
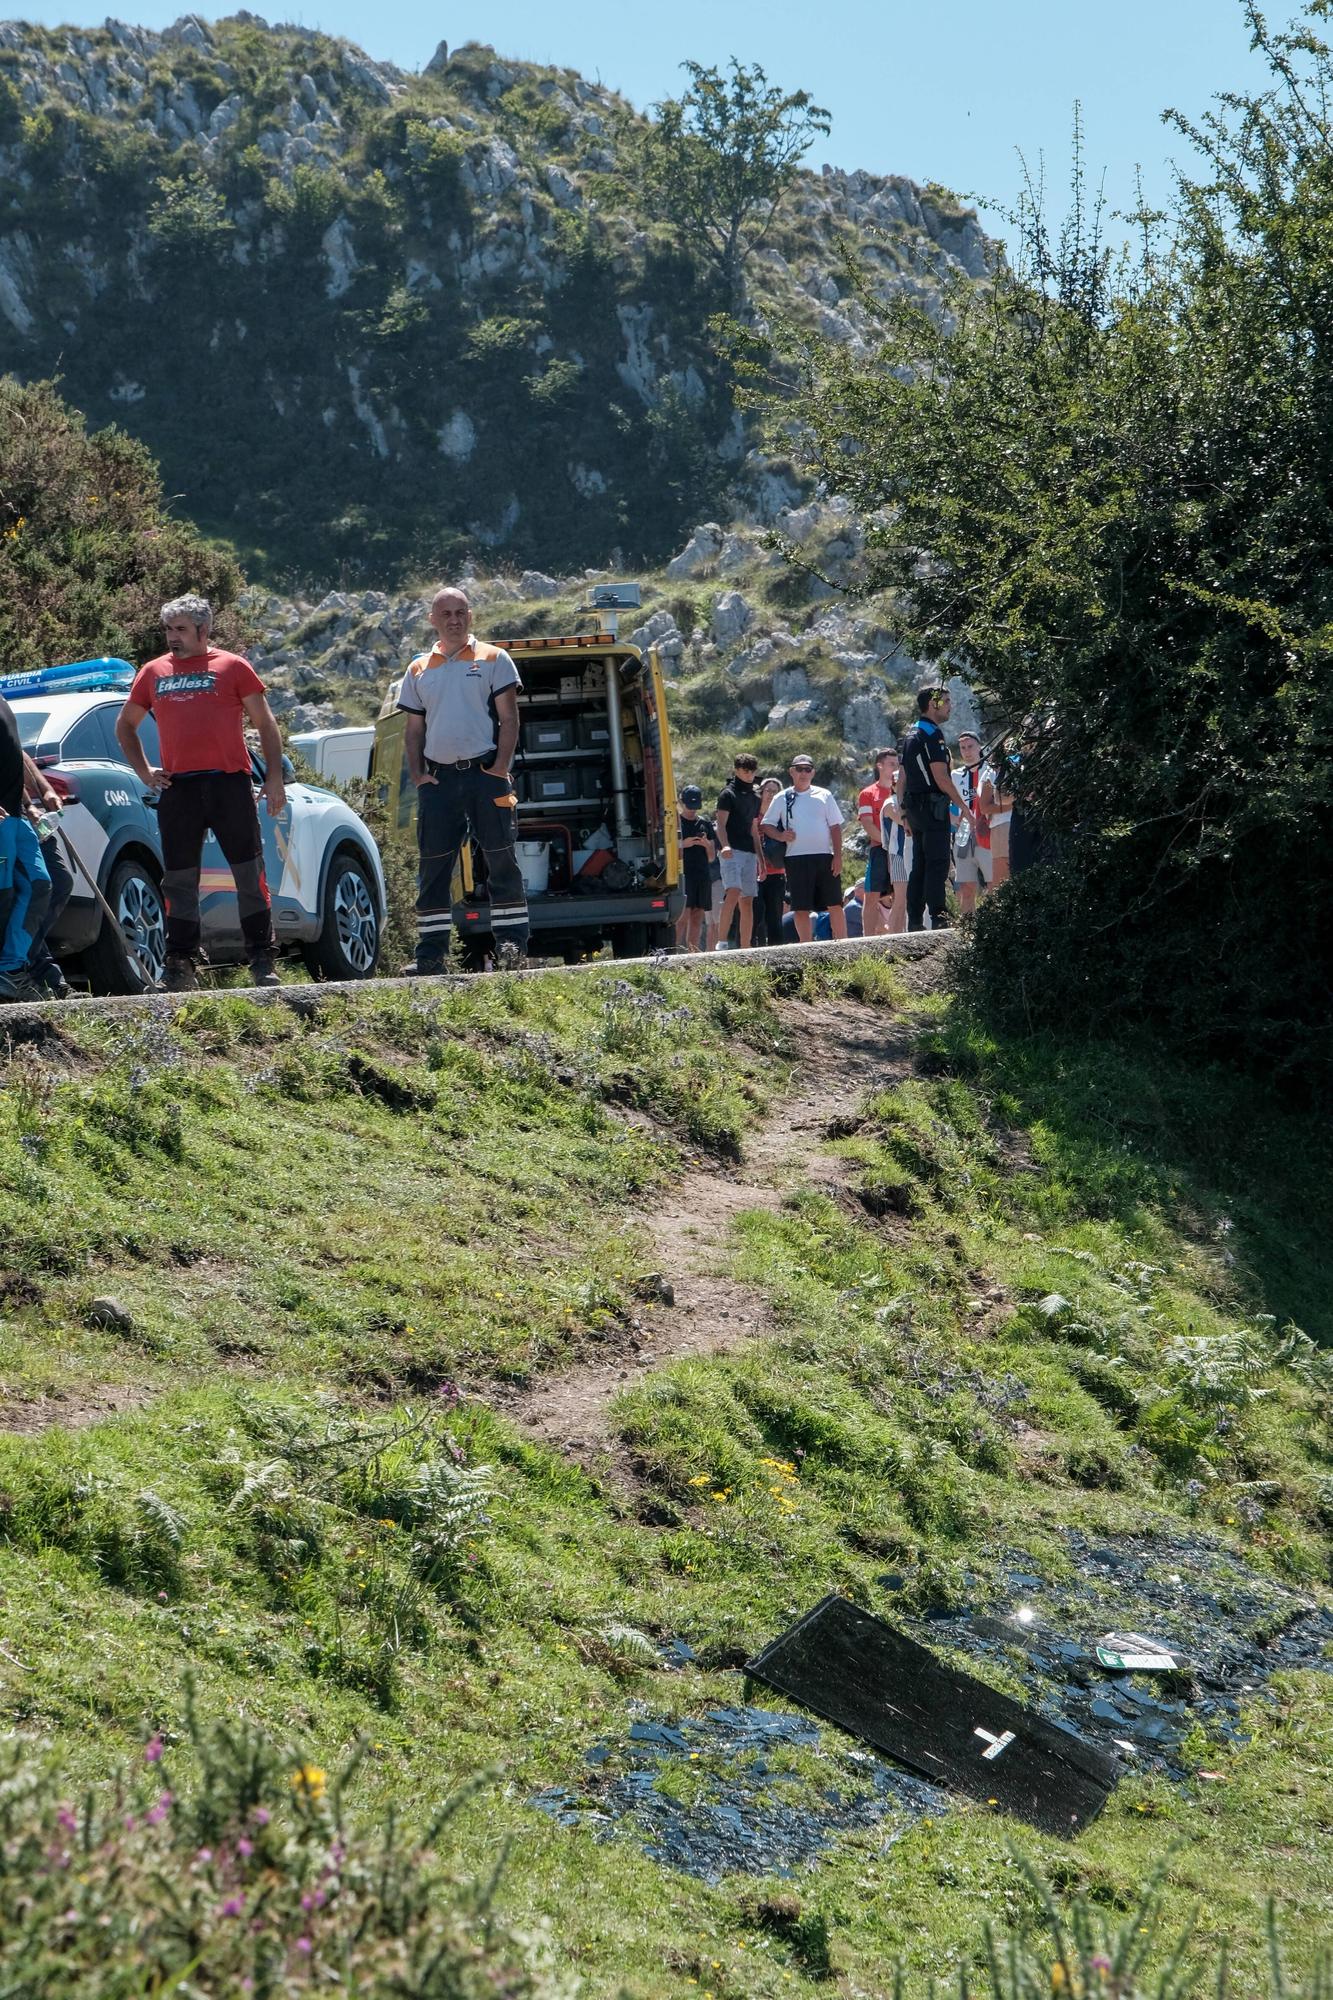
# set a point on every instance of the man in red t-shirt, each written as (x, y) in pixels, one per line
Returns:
(869, 805)
(201, 699)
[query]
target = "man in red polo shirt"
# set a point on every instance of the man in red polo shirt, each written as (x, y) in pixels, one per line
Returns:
(201, 699)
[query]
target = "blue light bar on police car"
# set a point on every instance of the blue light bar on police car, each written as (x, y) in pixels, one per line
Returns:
(73, 676)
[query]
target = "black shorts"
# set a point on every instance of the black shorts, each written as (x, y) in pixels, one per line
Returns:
(877, 872)
(698, 892)
(811, 883)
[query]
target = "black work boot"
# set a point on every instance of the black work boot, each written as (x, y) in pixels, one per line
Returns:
(263, 972)
(17, 986)
(178, 974)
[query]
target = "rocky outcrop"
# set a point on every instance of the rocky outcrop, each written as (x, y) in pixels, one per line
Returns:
(383, 279)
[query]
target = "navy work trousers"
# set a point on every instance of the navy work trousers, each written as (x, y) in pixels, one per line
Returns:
(41, 960)
(459, 804)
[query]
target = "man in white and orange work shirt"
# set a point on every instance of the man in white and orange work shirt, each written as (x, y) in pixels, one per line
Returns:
(460, 701)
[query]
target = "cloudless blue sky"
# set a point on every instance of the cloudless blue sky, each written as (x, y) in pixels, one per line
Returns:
(945, 93)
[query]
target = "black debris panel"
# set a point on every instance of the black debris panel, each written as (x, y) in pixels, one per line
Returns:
(869, 1678)
(747, 1811)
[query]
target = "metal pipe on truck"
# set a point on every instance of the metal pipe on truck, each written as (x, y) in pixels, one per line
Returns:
(619, 776)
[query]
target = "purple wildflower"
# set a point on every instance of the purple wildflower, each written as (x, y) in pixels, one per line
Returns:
(66, 1819)
(156, 1814)
(152, 1750)
(260, 1816)
(233, 1907)
(304, 1944)
(245, 1848)
(204, 1854)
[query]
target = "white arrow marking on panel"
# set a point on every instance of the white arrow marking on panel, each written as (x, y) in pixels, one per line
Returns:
(997, 1743)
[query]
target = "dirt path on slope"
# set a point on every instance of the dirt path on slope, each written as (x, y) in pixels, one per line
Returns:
(843, 1051)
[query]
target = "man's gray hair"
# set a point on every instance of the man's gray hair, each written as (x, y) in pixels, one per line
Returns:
(197, 609)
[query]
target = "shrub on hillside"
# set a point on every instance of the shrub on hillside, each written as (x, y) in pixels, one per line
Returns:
(1100, 485)
(87, 552)
(242, 1876)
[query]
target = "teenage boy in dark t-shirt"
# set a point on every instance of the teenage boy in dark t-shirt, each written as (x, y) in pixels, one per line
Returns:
(737, 811)
(201, 699)
(697, 849)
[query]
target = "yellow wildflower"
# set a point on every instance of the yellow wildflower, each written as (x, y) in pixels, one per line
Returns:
(310, 1780)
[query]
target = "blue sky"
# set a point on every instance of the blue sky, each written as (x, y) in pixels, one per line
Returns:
(944, 93)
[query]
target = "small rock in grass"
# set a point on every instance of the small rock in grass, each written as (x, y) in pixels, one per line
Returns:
(111, 1314)
(656, 1288)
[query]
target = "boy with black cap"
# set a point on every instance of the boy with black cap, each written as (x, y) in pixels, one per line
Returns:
(697, 849)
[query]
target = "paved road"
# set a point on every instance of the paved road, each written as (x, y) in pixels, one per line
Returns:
(27, 1022)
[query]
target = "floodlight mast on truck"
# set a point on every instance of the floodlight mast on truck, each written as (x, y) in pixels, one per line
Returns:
(598, 834)
(610, 599)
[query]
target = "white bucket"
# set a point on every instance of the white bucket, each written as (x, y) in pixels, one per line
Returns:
(534, 865)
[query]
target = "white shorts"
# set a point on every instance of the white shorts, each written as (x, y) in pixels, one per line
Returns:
(900, 865)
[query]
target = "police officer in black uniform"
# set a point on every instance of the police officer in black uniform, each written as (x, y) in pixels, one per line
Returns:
(927, 792)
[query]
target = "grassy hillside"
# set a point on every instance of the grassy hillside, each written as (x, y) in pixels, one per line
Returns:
(288, 1294)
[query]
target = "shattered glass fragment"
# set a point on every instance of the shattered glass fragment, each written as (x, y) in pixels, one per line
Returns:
(748, 1816)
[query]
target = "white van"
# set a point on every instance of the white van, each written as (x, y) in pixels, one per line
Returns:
(341, 754)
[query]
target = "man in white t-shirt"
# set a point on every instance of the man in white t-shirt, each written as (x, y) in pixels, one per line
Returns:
(808, 821)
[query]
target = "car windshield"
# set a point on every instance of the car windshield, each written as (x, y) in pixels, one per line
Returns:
(31, 722)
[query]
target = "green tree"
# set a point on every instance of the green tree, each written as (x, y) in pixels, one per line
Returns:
(1103, 486)
(189, 219)
(716, 161)
(87, 553)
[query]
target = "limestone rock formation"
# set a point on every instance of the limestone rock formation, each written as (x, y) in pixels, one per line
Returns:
(414, 313)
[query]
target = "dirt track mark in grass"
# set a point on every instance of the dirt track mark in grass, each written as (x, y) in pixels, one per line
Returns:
(844, 1050)
(73, 1412)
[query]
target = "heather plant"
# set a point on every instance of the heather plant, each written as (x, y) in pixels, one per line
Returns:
(226, 1864)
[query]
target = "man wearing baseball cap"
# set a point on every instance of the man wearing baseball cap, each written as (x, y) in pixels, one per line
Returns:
(697, 849)
(808, 821)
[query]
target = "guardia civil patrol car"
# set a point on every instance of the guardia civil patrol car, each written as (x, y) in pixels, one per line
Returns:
(321, 860)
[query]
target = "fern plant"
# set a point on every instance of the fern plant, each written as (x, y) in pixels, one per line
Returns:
(450, 1506)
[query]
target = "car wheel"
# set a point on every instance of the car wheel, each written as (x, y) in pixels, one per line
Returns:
(348, 945)
(136, 897)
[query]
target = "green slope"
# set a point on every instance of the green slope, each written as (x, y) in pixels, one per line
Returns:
(1024, 1311)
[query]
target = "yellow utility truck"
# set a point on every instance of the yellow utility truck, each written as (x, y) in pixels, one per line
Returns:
(598, 828)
